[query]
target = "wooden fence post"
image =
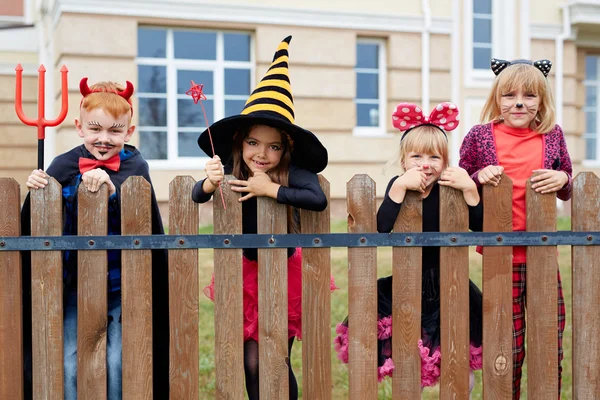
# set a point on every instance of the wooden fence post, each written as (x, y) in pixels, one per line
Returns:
(497, 294)
(406, 302)
(454, 295)
(47, 295)
(272, 304)
(136, 277)
(229, 322)
(542, 297)
(11, 304)
(362, 291)
(316, 306)
(183, 293)
(92, 296)
(585, 207)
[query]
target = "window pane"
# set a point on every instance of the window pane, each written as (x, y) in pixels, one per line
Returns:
(482, 6)
(152, 79)
(482, 30)
(590, 149)
(234, 107)
(153, 112)
(153, 145)
(152, 43)
(237, 81)
(237, 47)
(590, 122)
(195, 45)
(205, 78)
(367, 86)
(367, 115)
(482, 58)
(591, 68)
(187, 145)
(590, 96)
(191, 115)
(367, 55)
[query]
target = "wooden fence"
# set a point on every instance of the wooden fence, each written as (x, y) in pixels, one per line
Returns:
(316, 358)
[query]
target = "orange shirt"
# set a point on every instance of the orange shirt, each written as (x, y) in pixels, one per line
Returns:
(520, 151)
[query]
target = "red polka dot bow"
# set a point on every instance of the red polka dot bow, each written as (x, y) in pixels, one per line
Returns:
(407, 116)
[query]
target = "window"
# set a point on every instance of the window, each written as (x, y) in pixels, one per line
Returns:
(592, 85)
(168, 59)
(370, 87)
(482, 34)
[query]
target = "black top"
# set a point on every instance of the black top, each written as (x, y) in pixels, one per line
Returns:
(304, 192)
(388, 212)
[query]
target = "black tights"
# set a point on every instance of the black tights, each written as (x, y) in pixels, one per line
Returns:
(251, 370)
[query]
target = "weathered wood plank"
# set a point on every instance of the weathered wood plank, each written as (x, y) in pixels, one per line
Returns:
(406, 302)
(497, 294)
(47, 295)
(362, 291)
(542, 266)
(585, 207)
(229, 318)
(136, 289)
(316, 306)
(11, 304)
(454, 293)
(183, 293)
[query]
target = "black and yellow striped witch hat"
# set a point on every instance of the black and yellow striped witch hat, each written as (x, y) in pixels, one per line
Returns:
(271, 103)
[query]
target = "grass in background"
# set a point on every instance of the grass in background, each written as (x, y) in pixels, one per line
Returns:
(339, 310)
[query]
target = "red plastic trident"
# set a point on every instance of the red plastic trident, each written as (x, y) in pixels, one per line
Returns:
(41, 122)
(197, 95)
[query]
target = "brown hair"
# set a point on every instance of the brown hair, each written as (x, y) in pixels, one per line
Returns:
(529, 79)
(104, 95)
(279, 174)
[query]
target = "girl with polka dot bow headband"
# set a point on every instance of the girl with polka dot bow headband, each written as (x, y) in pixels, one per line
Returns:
(407, 116)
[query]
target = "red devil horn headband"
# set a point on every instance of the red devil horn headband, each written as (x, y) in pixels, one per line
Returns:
(125, 93)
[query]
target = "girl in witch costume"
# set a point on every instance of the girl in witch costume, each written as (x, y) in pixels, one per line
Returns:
(270, 156)
(424, 162)
(518, 136)
(103, 158)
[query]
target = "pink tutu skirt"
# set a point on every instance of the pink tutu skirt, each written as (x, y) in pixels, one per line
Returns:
(250, 274)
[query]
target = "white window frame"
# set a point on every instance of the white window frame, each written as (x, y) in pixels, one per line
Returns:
(218, 66)
(595, 83)
(381, 130)
(503, 38)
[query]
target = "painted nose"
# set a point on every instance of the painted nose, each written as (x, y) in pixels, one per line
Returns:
(425, 166)
(519, 105)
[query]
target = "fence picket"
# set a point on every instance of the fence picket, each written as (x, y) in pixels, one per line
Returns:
(229, 331)
(585, 207)
(183, 293)
(362, 291)
(406, 302)
(454, 295)
(497, 294)
(47, 295)
(136, 276)
(316, 306)
(92, 296)
(11, 304)
(542, 266)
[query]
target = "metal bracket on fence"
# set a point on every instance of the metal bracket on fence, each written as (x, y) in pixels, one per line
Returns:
(210, 241)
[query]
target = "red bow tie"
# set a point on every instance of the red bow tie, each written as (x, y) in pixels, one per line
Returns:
(87, 164)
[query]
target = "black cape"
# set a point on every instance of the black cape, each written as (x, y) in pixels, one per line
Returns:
(64, 168)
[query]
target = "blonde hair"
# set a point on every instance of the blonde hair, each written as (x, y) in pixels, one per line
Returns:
(529, 79)
(427, 139)
(104, 95)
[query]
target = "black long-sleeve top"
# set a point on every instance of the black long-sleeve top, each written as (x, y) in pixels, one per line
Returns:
(303, 191)
(389, 209)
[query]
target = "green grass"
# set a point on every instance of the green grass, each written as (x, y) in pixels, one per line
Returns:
(339, 310)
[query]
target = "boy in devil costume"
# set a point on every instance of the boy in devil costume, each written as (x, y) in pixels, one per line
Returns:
(103, 158)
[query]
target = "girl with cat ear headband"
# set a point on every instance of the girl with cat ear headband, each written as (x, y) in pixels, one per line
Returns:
(517, 137)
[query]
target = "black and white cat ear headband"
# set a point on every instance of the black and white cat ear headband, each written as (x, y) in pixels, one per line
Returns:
(498, 65)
